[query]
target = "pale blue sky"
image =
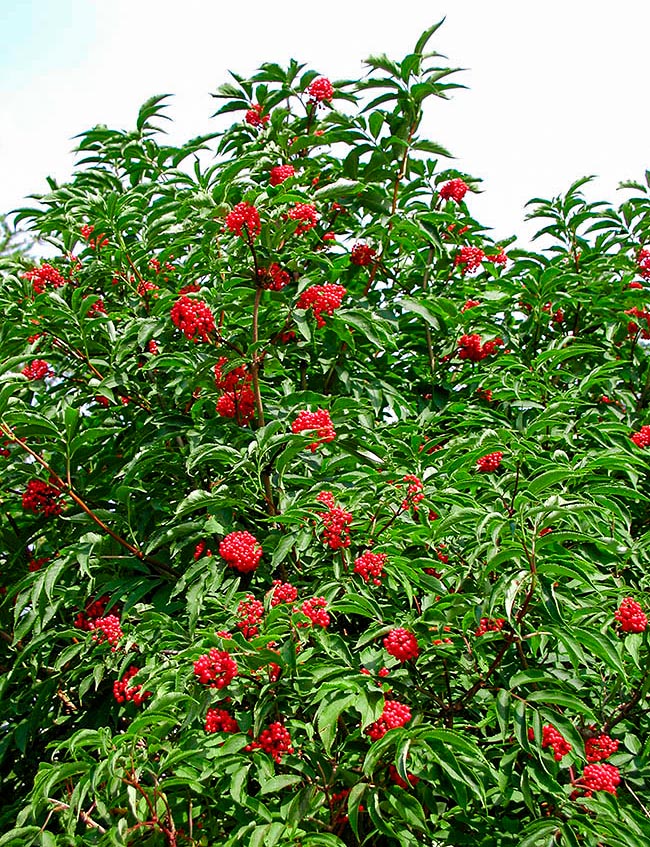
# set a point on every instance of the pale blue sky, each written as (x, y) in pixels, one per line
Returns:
(557, 89)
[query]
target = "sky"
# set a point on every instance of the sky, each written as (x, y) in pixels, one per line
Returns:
(556, 90)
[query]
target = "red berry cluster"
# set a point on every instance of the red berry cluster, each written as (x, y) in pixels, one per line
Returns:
(250, 612)
(36, 564)
(321, 298)
(490, 462)
(276, 741)
(556, 741)
(94, 609)
(455, 189)
(470, 347)
(280, 173)
(469, 257)
(254, 116)
(41, 498)
(643, 263)
(402, 644)
(600, 778)
(318, 422)
(218, 720)
(200, 551)
(44, 276)
(239, 404)
(370, 565)
(190, 288)
(499, 258)
(314, 609)
(395, 714)
(215, 668)
(642, 437)
(283, 592)
(232, 378)
(470, 304)
(152, 347)
(600, 747)
(193, 317)
(241, 551)
(320, 89)
(274, 278)
(95, 243)
(107, 629)
(306, 213)
(631, 616)
(123, 692)
(244, 220)
(633, 327)
(397, 779)
(97, 308)
(489, 625)
(336, 522)
(413, 492)
(37, 369)
(144, 287)
(362, 255)
(635, 284)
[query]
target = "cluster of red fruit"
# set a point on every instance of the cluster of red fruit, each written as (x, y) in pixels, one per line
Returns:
(320, 89)
(93, 610)
(307, 215)
(370, 565)
(469, 257)
(315, 610)
(600, 747)
(321, 299)
(94, 243)
(642, 437)
(599, 778)
(631, 616)
(44, 276)
(633, 327)
(193, 317)
(455, 189)
(319, 422)
(554, 739)
(37, 369)
(241, 551)
(275, 740)
(395, 714)
(643, 263)
(244, 221)
(107, 629)
(336, 522)
(123, 692)
(250, 612)
(218, 720)
(41, 498)
(273, 278)
(283, 592)
(238, 400)
(280, 173)
(402, 644)
(470, 347)
(489, 625)
(254, 116)
(414, 493)
(362, 255)
(216, 668)
(490, 462)
(470, 304)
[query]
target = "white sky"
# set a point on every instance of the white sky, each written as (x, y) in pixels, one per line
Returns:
(556, 89)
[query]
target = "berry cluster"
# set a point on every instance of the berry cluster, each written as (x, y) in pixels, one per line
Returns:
(218, 720)
(37, 369)
(244, 220)
(470, 347)
(455, 189)
(280, 173)
(490, 462)
(642, 437)
(370, 565)
(362, 255)
(600, 778)
(314, 609)
(254, 116)
(192, 317)
(215, 668)
(97, 308)
(470, 258)
(250, 612)
(321, 298)
(241, 551)
(123, 692)
(107, 629)
(144, 287)
(200, 551)
(631, 616)
(306, 213)
(44, 276)
(489, 625)
(283, 592)
(499, 258)
(41, 498)
(402, 644)
(633, 327)
(556, 741)
(238, 404)
(397, 779)
(94, 609)
(470, 304)
(232, 378)
(318, 422)
(152, 347)
(274, 278)
(36, 564)
(413, 493)
(643, 263)
(600, 747)
(395, 714)
(320, 89)
(336, 522)
(275, 741)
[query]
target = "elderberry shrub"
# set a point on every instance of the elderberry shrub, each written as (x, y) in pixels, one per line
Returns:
(324, 514)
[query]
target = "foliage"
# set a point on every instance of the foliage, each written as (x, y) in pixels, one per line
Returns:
(375, 543)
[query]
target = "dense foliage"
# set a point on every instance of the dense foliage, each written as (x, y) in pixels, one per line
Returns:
(324, 516)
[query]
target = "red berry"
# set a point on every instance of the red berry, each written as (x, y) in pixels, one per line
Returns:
(283, 592)
(402, 644)
(314, 609)
(241, 551)
(244, 220)
(280, 173)
(216, 668)
(320, 89)
(193, 317)
(631, 616)
(395, 714)
(556, 741)
(254, 116)
(370, 565)
(123, 692)
(335, 523)
(455, 189)
(276, 741)
(239, 404)
(318, 422)
(643, 263)
(600, 747)
(44, 276)
(41, 498)
(489, 462)
(37, 369)
(321, 298)
(306, 213)
(218, 720)
(362, 255)
(470, 257)
(489, 625)
(107, 629)
(274, 278)
(250, 612)
(600, 778)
